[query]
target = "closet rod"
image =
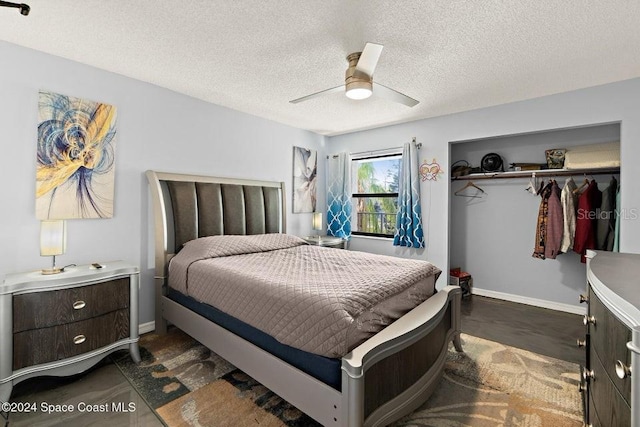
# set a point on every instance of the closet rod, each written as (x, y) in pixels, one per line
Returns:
(539, 173)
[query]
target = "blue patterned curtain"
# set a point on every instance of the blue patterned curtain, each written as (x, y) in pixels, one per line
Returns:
(339, 196)
(409, 219)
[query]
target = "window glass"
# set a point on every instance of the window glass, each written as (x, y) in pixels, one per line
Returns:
(375, 195)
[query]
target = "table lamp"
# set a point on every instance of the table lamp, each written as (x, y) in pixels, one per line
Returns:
(316, 222)
(53, 241)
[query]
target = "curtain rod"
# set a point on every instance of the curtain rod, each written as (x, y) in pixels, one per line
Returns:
(375, 152)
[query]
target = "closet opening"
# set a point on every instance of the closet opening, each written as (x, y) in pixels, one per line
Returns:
(494, 215)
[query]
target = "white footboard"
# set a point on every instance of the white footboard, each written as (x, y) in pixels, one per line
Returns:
(395, 371)
(384, 378)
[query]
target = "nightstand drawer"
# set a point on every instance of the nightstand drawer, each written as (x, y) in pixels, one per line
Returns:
(52, 308)
(38, 346)
(594, 421)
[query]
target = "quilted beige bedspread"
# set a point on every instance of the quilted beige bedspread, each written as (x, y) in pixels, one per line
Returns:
(321, 300)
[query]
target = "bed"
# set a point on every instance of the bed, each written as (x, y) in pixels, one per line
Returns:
(382, 378)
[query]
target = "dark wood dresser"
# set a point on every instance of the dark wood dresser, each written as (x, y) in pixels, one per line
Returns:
(65, 323)
(612, 341)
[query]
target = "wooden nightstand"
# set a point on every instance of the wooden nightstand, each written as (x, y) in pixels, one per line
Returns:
(327, 241)
(65, 323)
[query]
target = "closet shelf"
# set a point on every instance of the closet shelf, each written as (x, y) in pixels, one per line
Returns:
(539, 173)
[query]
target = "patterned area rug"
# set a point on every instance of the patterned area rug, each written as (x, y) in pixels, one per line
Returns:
(490, 384)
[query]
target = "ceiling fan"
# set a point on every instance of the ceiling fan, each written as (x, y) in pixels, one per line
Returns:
(358, 82)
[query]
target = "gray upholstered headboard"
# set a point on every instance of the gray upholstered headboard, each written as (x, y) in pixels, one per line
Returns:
(191, 206)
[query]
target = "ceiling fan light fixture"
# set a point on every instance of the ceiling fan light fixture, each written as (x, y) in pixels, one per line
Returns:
(358, 90)
(358, 79)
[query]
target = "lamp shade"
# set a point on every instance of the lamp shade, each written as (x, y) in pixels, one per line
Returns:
(53, 238)
(317, 221)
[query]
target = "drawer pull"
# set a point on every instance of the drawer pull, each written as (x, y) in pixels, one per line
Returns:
(588, 319)
(583, 299)
(581, 343)
(622, 371)
(588, 375)
(79, 305)
(79, 339)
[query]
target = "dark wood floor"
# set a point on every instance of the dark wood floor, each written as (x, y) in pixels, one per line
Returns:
(548, 332)
(102, 385)
(540, 330)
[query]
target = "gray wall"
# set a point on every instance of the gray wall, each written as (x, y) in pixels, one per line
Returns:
(616, 102)
(157, 129)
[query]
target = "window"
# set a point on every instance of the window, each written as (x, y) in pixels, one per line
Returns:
(375, 195)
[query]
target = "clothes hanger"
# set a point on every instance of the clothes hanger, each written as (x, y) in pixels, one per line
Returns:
(531, 188)
(584, 184)
(469, 184)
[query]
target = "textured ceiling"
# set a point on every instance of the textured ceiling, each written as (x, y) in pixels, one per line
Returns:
(255, 56)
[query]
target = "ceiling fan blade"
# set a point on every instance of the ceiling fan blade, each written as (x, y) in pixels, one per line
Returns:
(322, 92)
(369, 59)
(385, 92)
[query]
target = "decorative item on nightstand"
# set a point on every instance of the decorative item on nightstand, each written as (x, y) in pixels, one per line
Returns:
(326, 241)
(316, 222)
(53, 241)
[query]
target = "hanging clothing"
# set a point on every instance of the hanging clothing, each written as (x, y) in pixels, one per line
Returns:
(541, 228)
(606, 218)
(585, 220)
(569, 202)
(616, 237)
(409, 217)
(555, 223)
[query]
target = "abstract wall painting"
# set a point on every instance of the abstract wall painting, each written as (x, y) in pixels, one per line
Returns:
(305, 167)
(75, 168)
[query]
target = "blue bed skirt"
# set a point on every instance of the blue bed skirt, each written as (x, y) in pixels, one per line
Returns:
(322, 368)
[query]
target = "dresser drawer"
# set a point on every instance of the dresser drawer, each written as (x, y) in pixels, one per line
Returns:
(610, 407)
(593, 420)
(609, 338)
(43, 345)
(45, 309)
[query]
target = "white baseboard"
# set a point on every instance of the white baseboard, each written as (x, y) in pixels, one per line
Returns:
(568, 308)
(143, 328)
